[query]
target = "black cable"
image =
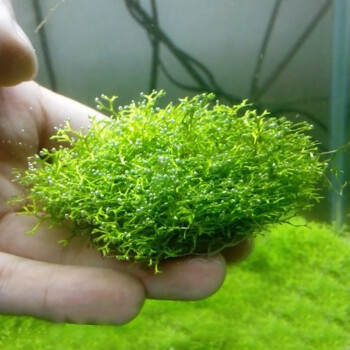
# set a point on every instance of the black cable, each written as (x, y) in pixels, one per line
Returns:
(198, 89)
(155, 50)
(146, 22)
(206, 83)
(194, 67)
(263, 49)
(295, 48)
(45, 46)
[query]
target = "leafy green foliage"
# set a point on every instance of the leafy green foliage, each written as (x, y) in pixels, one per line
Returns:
(149, 184)
(292, 293)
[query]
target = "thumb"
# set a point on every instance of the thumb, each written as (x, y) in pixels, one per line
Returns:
(17, 57)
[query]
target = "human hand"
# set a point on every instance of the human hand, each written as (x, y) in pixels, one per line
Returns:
(39, 277)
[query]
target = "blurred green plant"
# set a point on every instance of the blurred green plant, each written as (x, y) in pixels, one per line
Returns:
(291, 294)
(149, 184)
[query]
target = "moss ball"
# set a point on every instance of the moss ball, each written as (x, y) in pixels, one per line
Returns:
(150, 183)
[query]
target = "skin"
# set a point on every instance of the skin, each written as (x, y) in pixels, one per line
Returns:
(39, 277)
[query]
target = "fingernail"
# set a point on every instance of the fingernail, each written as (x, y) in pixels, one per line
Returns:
(208, 259)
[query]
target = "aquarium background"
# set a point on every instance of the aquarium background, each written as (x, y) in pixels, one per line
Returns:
(291, 57)
(278, 54)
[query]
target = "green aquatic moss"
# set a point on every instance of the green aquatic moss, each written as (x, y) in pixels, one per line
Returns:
(148, 184)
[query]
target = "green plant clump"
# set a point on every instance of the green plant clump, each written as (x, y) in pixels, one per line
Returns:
(149, 184)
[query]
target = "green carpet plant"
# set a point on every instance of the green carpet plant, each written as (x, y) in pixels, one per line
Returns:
(292, 293)
(150, 183)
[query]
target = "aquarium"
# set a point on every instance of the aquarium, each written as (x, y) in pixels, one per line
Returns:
(283, 69)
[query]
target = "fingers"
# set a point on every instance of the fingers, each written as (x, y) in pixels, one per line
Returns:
(238, 253)
(181, 279)
(17, 58)
(67, 293)
(191, 278)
